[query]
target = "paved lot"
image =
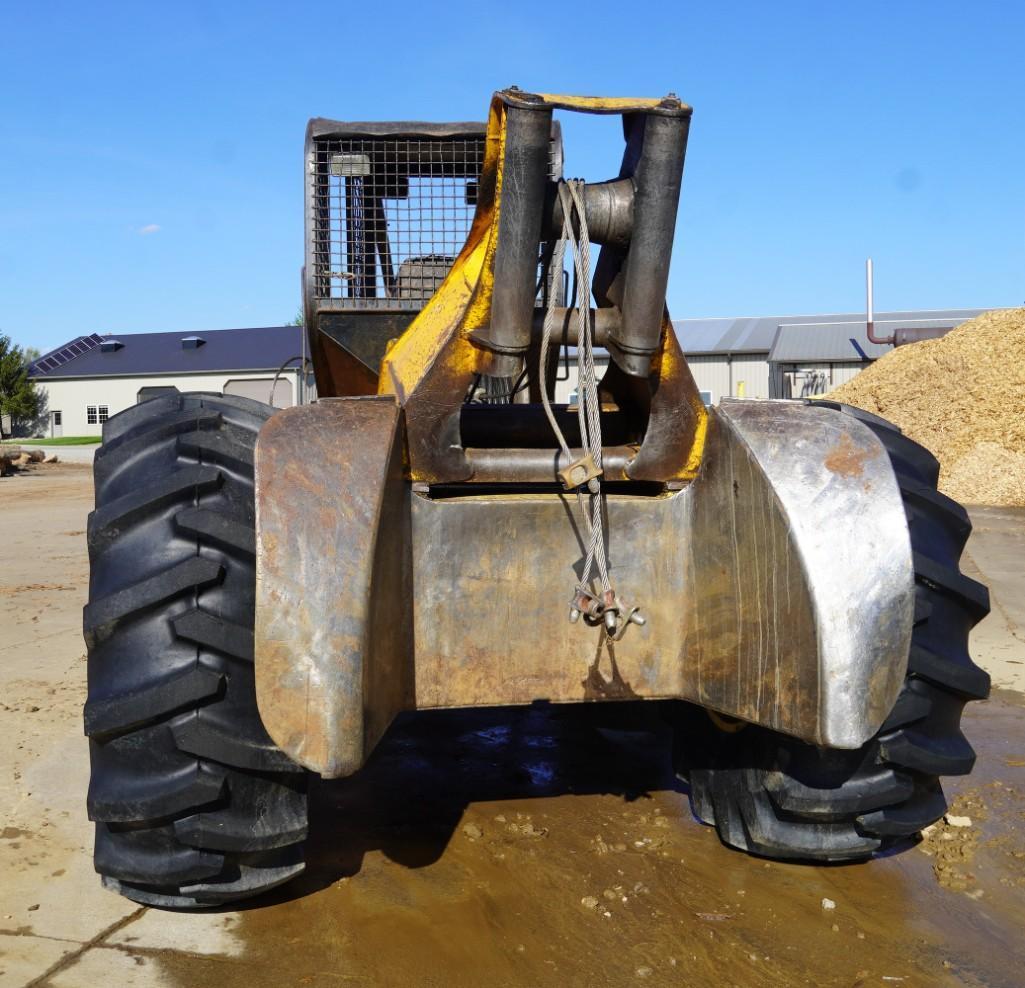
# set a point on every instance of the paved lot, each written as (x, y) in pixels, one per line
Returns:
(461, 856)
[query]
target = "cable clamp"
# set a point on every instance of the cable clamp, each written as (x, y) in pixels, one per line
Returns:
(580, 472)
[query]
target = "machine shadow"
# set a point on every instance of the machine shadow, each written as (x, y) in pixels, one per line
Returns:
(408, 800)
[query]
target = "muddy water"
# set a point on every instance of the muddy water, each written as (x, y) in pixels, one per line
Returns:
(538, 847)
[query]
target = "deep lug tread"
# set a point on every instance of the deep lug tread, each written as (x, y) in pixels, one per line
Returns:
(106, 523)
(121, 712)
(102, 615)
(911, 705)
(769, 835)
(282, 821)
(954, 516)
(119, 797)
(950, 755)
(246, 880)
(874, 421)
(143, 416)
(200, 735)
(775, 796)
(216, 447)
(971, 595)
(195, 805)
(963, 678)
(129, 857)
(867, 792)
(907, 819)
(215, 633)
(217, 527)
(116, 455)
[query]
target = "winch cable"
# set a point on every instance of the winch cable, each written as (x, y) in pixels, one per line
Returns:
(605, 606)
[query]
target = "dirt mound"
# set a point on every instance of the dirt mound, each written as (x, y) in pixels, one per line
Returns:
(963, 397)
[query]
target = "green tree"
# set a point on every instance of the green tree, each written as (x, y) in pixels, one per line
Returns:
(298, 320)
(18, 395)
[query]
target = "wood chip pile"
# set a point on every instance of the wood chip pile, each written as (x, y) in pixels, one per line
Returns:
(963, 397)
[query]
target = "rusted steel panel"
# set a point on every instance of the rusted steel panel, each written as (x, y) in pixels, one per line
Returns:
(333, 637)
(493, 578)
(777, 587)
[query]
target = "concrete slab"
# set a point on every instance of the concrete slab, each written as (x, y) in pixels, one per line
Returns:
(49, 887)
(996, 556)
(113, 967)
(210, 934)
(23, 957)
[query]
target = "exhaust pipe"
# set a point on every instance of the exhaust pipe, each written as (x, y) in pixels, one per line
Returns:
(870, 324)
(903, 335)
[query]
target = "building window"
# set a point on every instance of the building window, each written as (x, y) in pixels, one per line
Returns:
(96, 414)
(104, 413)
(706, 398)
(90, 414)
(56, 418)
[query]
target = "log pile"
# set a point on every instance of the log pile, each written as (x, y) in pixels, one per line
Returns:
(15, 456)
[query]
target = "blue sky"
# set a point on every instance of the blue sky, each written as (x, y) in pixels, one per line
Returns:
(150, 154)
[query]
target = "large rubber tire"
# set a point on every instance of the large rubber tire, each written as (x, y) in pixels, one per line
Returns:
(781, 798)
(194, 805)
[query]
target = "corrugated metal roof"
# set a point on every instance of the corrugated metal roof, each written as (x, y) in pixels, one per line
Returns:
(839, 339)
(782, 338)
(263, 348)
(757, 334)
(744, 335)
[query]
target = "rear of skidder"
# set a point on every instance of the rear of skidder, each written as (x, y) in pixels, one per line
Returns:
(268, 590)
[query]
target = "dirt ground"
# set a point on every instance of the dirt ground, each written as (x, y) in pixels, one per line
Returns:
(498, 848)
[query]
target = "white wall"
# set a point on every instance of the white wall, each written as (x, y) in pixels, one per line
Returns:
(563, 389)
(744, 375)
(842, 373)
(70, 396)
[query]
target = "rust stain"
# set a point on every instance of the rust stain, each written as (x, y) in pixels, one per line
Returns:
(845, 459)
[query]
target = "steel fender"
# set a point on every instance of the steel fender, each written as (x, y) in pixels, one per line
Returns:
(808, 488)
(333, 642)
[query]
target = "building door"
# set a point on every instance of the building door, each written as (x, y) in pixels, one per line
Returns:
(259, 390)
(56, 425)
(145, 394)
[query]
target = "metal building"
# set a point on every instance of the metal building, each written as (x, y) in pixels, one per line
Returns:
(94, 377)
(812, 358)
(786, 356)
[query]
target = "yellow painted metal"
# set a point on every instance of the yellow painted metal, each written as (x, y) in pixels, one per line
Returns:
(432, 364)
(605, 104)
(697, 450)
(673, 364)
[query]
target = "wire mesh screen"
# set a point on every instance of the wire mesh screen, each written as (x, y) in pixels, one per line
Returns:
(390, 216)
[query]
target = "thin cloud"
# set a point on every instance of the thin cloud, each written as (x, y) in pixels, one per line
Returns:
(145, 231)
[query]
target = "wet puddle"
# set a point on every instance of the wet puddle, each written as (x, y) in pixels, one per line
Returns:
(547, 847)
